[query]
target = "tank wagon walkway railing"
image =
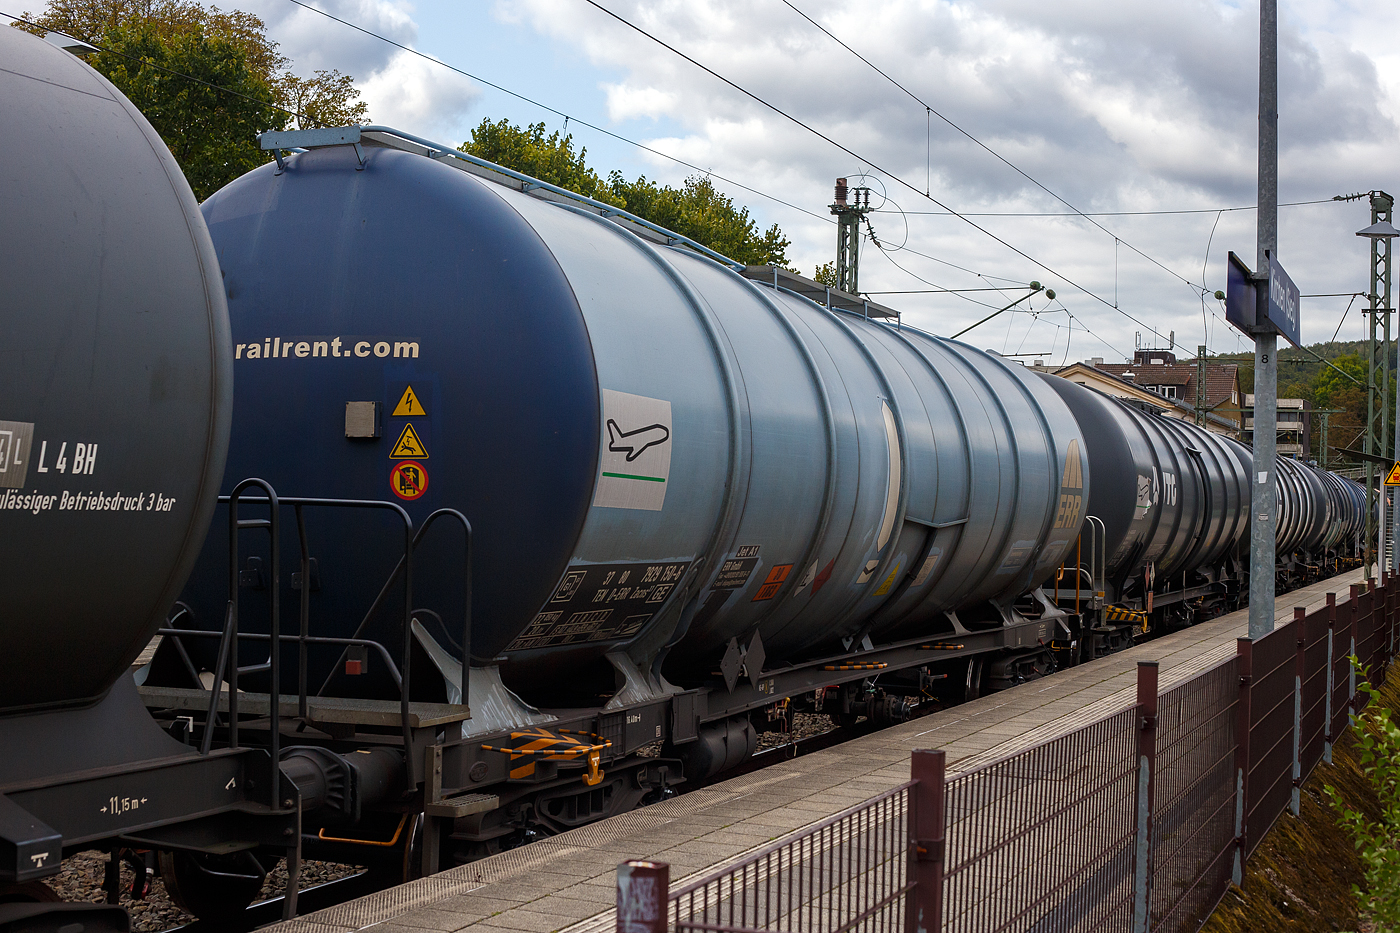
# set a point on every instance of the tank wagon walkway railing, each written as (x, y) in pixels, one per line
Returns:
(1137, 821)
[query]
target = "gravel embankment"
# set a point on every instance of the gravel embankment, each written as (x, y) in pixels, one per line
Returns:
(81, 880)
(804, 725)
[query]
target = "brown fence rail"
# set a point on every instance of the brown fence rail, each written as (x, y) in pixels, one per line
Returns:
(1137, 822)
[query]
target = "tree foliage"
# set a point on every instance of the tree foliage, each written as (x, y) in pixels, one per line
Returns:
(213, 139)
(697, 209)
(327, 98)
(151, 49)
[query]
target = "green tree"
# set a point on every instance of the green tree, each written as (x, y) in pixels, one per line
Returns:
(90, 20)
(826, 274)
(696, 210)
(1377, 841)
(704, 214)
(149, 46)
(213, 137)
(327, 98)
(549, 158)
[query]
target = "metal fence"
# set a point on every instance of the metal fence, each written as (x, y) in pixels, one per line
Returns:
(1137, 822)
(1050, 829)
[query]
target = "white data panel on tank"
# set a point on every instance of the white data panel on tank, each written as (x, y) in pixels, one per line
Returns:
(636, 460)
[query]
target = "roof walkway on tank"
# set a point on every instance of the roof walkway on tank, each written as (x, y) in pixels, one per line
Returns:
(388, 137)
(567, 882)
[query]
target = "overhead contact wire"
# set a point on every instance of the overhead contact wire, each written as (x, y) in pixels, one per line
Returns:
(560, 113)
(875, 165)
(1017, 169)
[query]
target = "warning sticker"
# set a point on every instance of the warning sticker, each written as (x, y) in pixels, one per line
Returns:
(409, 445)
(409, 406)
(770, 586)
(889, 581)
(1391, 479)
(733, 574)
(1020, 551)
(598, 603)
(636, 460)
(408, 480)
(928, 566)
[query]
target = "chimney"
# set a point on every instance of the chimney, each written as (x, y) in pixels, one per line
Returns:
(1096, 362)
(841, 191)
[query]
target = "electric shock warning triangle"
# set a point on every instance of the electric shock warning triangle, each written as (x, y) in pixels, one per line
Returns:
(409, 446)
(409, 406)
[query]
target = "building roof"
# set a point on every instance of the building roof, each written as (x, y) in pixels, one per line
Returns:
(1139, 393)
(1222, 379)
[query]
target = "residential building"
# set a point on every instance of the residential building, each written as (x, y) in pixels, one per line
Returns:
(1157, 380)
(1294, 426)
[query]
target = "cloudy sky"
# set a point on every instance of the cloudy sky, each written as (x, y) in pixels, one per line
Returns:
(1114, 106)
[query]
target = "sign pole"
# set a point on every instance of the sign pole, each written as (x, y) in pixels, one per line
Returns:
(1263, 501)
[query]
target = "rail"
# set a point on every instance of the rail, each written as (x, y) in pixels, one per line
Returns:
(1138, 822)
(227, 669)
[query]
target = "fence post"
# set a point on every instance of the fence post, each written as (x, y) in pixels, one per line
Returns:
(1354, 611)
(923, 905)
(1388, 602)
(1244, 649)
(1331, 676)
(642, 893)
(1390, 618)
(1147, 766)
(1300, 619)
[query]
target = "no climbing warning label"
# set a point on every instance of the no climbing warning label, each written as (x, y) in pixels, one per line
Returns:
(408, 480)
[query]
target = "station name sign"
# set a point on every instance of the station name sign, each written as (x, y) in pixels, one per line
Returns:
(1278, 306)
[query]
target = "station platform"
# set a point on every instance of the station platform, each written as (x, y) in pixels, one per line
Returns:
(567, 882)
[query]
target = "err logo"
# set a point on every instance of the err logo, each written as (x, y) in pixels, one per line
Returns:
(1071, 504)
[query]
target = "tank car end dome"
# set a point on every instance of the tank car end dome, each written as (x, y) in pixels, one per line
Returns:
(115, 378)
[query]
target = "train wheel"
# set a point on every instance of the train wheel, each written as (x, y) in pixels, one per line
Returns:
(212, 887)
(972, 688)
(27, 892)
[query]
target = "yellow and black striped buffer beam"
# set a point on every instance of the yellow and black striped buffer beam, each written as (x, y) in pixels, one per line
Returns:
(1122, 614)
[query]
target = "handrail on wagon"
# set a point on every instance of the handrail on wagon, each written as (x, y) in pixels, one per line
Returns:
(227, 668)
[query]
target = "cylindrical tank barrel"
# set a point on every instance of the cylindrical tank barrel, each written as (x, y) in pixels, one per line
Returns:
(1172, 496)
(657, 454)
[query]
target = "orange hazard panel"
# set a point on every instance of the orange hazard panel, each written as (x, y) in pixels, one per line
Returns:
(770, 586)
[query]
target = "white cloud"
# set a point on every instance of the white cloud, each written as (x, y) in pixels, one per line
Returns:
(1114, 105)
(401, 89)
(413, 94)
